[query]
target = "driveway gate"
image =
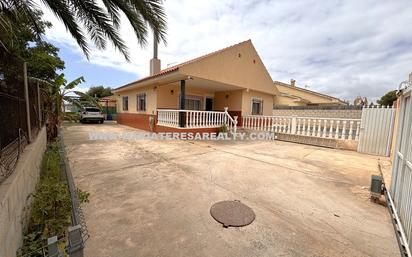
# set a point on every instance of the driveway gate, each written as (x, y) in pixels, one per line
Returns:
(376, 130)
(401, 185)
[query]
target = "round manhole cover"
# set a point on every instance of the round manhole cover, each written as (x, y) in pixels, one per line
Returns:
(232, 213)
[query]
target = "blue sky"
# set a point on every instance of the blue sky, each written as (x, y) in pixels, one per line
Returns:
(343, 48)
(94, 74)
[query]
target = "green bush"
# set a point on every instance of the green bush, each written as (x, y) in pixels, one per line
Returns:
(51, 207)
(223, 129)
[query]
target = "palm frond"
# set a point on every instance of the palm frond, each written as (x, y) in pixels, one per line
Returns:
(74, 83)
(41, 81)
(63, 11)
(102, 24)
(152, 11)
(88, 98)
(72, 117)
(113, 11)
(92, 14)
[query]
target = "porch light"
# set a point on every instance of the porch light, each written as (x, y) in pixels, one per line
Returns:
(172, 92)
(226, 96)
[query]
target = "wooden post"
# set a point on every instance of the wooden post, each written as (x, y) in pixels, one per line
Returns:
(26, 97)
(39, 104)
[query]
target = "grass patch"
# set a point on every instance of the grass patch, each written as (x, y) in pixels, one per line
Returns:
(51, 207)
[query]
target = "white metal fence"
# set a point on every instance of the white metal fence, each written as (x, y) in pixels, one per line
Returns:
(376, 130)
(401, 185)
(335, 128)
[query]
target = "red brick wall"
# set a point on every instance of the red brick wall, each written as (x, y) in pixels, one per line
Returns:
(135, 120)
(239, 116)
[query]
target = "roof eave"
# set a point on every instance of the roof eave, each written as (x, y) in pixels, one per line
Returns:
(147, 81)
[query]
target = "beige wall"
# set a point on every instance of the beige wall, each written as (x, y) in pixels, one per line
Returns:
(163, 98)
(247, 102)
(168, 100)
(288, 101)
(151, 99)
(230, 99)
(238, 65)
(236, 100)
(15, 195)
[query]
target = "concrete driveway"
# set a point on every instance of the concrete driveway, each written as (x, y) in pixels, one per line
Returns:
(152, 198)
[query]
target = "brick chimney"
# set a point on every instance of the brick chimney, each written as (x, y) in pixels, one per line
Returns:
(293, 82)
(410, 77)
(154, 62)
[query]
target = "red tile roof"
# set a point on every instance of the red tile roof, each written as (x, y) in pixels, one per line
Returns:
(176, 67)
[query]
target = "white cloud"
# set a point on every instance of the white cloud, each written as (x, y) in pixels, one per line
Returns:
(343, 48)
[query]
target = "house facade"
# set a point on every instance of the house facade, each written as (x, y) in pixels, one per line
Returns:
(202, 94)
(292, 95)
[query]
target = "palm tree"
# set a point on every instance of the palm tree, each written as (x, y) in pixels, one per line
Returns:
(100, 23)
(56, 94)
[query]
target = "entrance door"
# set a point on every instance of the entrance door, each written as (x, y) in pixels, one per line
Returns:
(209, 104)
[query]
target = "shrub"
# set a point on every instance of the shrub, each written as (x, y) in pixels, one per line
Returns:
(51, 207)
(223, 129)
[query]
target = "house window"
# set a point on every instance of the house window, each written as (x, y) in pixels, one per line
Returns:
(193, 102)
(257, 107)
(141, 102)
(125, 103)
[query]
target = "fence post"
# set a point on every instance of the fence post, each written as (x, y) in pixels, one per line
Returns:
(26, 97)
(52, 247)
(235, 125)
(39, 104)
(75, 241)
(293, 130)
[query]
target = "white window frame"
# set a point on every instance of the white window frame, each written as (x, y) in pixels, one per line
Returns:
(194, 97)
(139, 96)
(125, 107)
(260, 100)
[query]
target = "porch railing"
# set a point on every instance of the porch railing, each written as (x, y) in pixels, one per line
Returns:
(342, 129)
(196, 119)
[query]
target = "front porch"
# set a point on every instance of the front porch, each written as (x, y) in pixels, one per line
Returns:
(193, 119)
(196, 103)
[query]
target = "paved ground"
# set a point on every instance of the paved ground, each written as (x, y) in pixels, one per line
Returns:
(152, 198)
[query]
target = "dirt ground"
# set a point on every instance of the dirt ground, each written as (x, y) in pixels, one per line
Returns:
(152, 198)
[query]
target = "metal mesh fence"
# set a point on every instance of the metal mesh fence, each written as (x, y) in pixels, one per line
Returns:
(13, 116)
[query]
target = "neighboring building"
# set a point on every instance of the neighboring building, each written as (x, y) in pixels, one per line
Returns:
(193, 95)
(108, 104)
(360, 101)
(292, 95)
(108, 101)
(69, 107)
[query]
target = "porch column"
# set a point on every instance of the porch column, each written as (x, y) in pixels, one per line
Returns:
(182, 115)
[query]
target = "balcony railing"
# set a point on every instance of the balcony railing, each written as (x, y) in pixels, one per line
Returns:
(343, 129)
(195, 119)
